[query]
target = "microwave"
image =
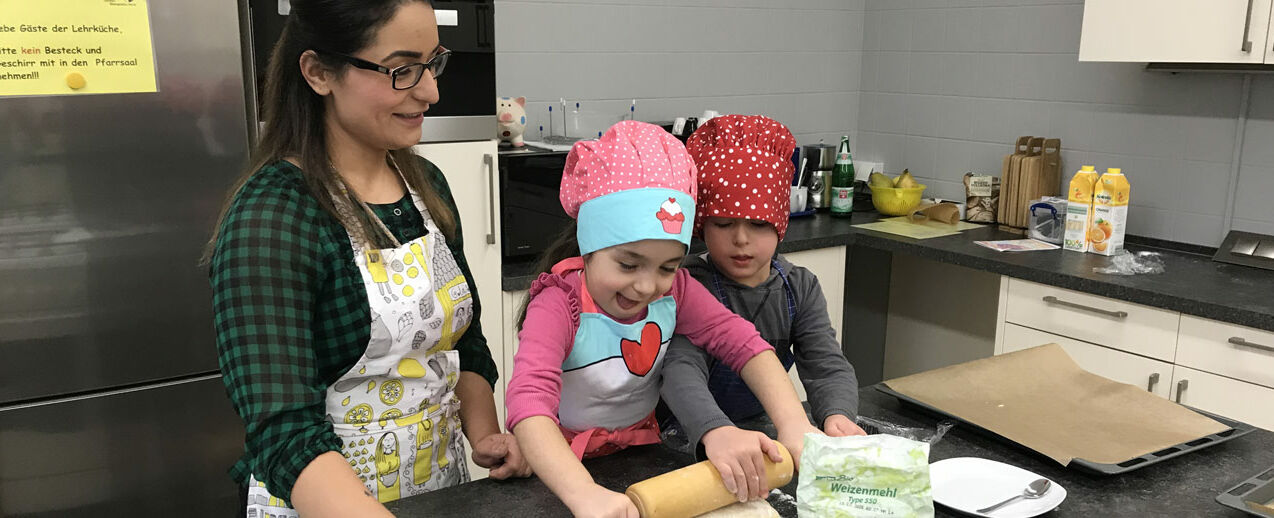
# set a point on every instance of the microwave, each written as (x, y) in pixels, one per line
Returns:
(466, 110)
(531, 214)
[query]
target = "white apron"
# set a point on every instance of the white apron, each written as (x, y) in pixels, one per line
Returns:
(396, 410)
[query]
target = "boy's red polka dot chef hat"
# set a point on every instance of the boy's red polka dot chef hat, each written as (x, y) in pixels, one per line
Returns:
(745, 169)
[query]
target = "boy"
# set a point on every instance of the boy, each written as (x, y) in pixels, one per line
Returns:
(745, 177)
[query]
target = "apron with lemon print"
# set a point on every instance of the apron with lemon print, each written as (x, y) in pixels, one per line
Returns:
(396, 410)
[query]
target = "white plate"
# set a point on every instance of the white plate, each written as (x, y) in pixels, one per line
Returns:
(967, 484)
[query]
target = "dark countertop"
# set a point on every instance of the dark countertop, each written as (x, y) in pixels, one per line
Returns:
(1183, 486)
(1192, 283)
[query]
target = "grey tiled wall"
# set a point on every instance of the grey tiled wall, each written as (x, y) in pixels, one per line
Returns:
(797, 61)
(938, 86)
(948, 84)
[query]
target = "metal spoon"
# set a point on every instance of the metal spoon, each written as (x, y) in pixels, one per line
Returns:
(1034, 490)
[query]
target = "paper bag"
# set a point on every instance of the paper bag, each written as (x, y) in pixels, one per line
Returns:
(982, 195)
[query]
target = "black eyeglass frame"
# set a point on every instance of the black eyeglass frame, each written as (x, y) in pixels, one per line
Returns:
(436, 65)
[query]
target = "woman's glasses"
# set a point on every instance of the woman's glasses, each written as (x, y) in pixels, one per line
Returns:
(404, 77)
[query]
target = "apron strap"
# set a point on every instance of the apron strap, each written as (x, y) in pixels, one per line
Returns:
(597, 442)
(719, 292)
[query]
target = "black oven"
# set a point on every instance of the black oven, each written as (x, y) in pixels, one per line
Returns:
(531, 214)
(467, 89)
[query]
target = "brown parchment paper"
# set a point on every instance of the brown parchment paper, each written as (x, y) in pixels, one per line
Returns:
(1041, 399)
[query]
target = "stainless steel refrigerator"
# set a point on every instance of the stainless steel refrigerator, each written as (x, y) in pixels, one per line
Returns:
(111, 403)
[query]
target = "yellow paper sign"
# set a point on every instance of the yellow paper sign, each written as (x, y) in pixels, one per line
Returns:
(75, 47)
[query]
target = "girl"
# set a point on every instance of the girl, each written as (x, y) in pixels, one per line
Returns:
(338, 275)
(595, 328)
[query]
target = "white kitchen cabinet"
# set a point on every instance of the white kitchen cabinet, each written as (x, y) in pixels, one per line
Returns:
(1238, 352)
(1113, 323)
(1252, 404)
(828, 264)
(512, 305)
(1180, 31)
(470, 168)
(1152, 375)
(1215, 367)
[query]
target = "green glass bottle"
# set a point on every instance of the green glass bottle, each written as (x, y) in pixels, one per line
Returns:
(843, 181)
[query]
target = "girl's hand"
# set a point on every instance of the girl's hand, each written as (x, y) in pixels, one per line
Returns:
(793, 437)
(837, 425)
(598, 502)
(499, 452)
(739, 456)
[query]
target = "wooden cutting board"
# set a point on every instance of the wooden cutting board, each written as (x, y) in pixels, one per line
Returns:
(1010, 171)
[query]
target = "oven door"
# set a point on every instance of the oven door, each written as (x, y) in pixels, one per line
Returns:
(466, 110)
(531, 214)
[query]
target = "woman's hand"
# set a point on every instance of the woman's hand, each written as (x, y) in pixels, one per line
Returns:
(499, 452)
(739, 456)
(837, 425)
(598, 502)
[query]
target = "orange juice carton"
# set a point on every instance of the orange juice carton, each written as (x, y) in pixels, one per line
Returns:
(1110, 213)
(1079, 209)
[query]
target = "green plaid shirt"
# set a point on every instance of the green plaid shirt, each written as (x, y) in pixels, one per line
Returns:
(291, 316)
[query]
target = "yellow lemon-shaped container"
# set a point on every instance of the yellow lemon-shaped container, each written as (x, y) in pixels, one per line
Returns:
(896, 201)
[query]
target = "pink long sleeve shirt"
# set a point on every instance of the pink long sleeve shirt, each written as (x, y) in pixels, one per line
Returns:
(552, 319)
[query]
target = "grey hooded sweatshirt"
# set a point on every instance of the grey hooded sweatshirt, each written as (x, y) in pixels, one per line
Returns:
(704, 394)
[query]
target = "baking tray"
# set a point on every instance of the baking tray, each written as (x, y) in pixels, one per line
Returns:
(1260, 488)
(1237, 429)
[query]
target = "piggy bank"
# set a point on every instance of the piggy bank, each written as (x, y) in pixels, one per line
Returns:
(510, 116)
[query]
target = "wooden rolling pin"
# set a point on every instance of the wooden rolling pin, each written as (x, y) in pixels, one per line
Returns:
(697, 489)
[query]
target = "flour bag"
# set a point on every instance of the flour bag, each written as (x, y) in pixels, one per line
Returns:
(864, 476)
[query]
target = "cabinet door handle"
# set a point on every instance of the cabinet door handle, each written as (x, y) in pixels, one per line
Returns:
(1238, 340)
(1150, 384)
(1181, 387)
(1059, 302)
(490, 163)
(1247, 29)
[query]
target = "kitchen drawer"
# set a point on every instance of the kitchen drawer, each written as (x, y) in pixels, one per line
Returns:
(1238, 352)
(1252, 404)
(1134, 328)
(1127, 368)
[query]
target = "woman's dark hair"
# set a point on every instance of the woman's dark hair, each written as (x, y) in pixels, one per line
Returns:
(565, 246)
(294, 115)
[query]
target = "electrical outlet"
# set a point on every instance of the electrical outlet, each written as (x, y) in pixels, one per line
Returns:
(864, 169)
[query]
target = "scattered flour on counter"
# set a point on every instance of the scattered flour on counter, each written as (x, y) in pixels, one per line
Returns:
(784, 503)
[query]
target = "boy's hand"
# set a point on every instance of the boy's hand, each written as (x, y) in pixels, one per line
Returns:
(596, 501)
(837, 425)
(793, 437)
(739, 456)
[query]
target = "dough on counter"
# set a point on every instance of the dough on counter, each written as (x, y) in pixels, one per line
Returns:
(752, 509)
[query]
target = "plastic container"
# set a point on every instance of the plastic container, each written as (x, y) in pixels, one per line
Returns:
(896, 201)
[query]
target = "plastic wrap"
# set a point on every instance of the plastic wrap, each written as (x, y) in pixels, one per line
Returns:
(1133, 263)
(874, 426)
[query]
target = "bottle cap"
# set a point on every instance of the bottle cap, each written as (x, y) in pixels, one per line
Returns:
(1114, 170)
(1087, 168)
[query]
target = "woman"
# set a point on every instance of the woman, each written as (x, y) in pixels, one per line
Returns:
(347, 323)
